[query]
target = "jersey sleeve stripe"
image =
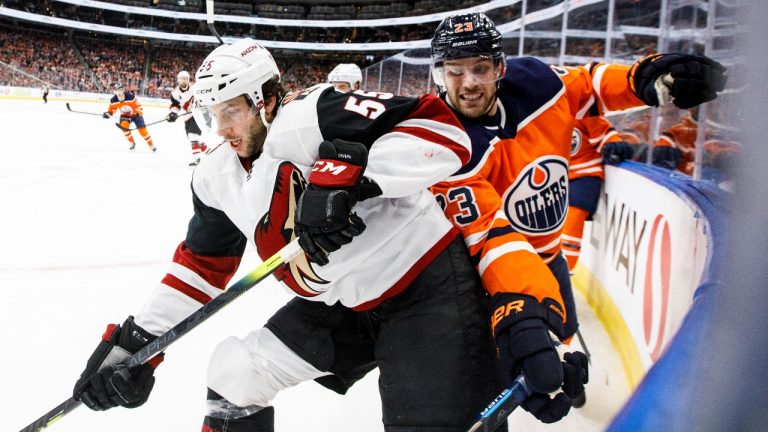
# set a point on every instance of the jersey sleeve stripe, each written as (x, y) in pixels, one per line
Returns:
(497, 252)
(480, 236)
(215, 271)
(586, 164)
(186, 289)
(548, 246)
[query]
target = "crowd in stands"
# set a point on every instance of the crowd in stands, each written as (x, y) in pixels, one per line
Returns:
(32, 58)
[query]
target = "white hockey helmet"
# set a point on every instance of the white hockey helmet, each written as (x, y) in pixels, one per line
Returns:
(183, 75)
(230, 71)
(346, 72)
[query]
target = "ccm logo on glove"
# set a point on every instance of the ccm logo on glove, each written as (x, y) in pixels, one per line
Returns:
(327, 173)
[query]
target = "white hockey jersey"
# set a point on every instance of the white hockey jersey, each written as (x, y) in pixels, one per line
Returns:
(413, 143)
(181, 101)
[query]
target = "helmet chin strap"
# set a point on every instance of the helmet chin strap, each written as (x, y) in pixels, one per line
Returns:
(263, 115)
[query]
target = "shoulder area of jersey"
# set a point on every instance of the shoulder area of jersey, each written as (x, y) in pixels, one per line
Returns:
(219, 160)
(533, 75)
(303, 94)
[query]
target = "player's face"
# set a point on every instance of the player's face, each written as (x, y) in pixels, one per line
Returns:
(470, 85)
(240, 125)
(183, 82)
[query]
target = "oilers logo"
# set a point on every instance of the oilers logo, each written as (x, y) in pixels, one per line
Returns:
(538, 200)
(576, 140)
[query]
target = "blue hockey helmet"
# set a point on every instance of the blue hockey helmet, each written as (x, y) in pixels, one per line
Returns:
(466, 35)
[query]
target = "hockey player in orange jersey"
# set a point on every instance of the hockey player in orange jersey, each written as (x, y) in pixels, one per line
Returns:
(594, 142)
(129, 107)
(511, 198)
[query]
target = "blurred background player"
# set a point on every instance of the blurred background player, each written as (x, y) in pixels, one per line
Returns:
(346, 77)
(129, 107)
(45, 90)
(594, 142)
(181, 100)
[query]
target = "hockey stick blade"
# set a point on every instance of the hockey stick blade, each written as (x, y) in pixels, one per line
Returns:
(149, 124)
(497, 412)
(283, 256)
(81, 112)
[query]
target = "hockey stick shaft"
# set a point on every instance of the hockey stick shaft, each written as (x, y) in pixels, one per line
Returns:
(210, 20)
(81, 112)
(283, 256)
(148, 124)
(497, 412)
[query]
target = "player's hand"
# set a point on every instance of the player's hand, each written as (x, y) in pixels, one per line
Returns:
(617, 152)
(685, 79)
(106, 383)
(324, 219)
(171, 117)
(666, 157)
(325, 222)
(106, 115)
(521, 326)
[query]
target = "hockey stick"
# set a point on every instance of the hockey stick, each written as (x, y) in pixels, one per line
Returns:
(148, 124)
(81, 112)
(283, 256)
(497, 412)
(209, 19)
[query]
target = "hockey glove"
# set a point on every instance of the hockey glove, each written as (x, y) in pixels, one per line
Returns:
(105, 382)
(106, 115)
(324, 219)
(521, 326)
(685, 79)
(617, 152)
(666, 157)
(171, 117)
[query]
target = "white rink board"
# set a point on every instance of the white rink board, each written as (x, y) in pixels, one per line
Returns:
(647, 246)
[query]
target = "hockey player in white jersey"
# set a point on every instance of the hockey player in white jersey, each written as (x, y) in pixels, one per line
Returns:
(346, 77)
(181, 103)
(385, 282)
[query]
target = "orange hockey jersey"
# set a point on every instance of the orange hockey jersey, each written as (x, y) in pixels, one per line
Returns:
(590, 135)
(128, 107)
(510, 200)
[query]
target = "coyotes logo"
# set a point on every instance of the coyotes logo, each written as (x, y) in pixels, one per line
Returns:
(538, 200)
(275, 230)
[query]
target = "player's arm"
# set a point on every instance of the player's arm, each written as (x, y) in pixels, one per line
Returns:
(412, 142)
(606, 140)
(202, 266)
(174, 108)
(507, 263)
(526, 306)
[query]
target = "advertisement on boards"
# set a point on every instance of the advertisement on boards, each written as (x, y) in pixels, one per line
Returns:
(647, 248)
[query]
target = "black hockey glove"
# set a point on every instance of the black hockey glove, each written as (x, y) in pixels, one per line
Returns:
(666, 157)
(685, 79)
(105, 382)
(324, 219)
(521, 326)
(617, 152)
(171, 117)
(106, 115)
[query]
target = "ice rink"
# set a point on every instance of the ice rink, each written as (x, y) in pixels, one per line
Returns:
(87, 229)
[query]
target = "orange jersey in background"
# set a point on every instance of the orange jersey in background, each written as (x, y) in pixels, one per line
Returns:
(127, 107)
(590, 135)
